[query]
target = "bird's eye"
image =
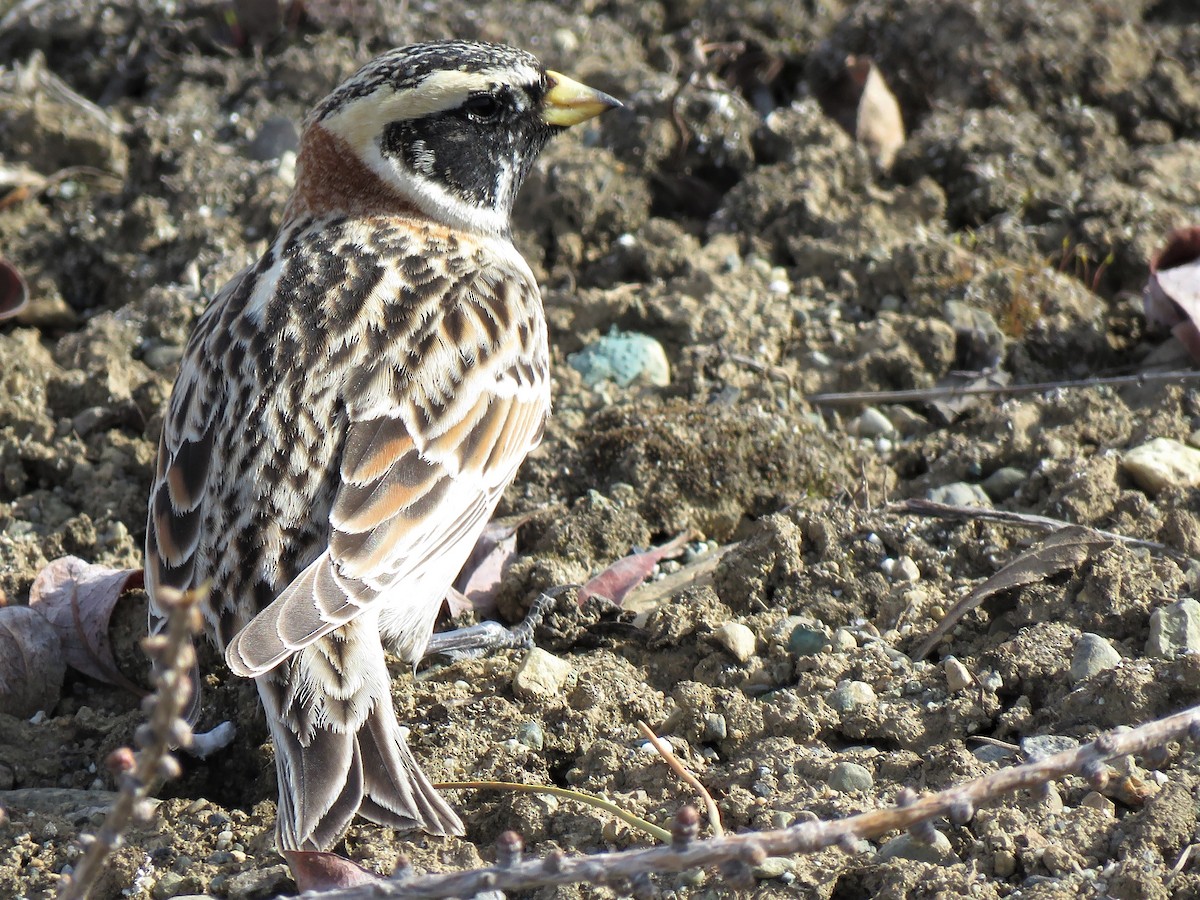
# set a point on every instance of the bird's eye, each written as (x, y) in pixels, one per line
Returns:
(482, 107)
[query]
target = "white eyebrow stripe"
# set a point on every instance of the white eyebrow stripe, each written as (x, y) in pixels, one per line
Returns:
(439, 91)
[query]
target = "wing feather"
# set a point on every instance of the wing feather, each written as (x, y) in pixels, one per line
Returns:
(419, 481)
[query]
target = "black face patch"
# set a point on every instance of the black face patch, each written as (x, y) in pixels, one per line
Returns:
(481, 151)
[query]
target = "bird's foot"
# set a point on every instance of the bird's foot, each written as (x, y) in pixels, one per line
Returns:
(476, 640)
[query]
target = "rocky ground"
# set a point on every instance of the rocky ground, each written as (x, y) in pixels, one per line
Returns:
(729, 214)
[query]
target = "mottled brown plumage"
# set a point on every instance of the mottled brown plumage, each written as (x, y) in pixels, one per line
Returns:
(350, 409)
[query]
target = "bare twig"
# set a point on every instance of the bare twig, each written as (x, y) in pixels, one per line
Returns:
(1029, 520)
(137, 772)
(849, 398)
(958, 803)
(710, 806)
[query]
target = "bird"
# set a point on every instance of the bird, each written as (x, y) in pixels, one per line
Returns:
(350, 408)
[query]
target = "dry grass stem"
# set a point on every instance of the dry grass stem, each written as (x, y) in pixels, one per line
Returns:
(664, 750)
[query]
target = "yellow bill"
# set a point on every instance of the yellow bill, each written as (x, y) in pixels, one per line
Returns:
(568, 102)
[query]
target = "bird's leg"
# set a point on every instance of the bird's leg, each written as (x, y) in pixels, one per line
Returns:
(476, 640)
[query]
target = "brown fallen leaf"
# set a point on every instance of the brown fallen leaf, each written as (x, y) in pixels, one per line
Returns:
(1172, 293)
(14, 294)
(314, 870)
(1064, 549)
(479, 581)
(627, 573)
(878, 125)
(78, 599)
(31, 662)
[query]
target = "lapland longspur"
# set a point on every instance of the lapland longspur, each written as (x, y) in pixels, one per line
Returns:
(350, 408)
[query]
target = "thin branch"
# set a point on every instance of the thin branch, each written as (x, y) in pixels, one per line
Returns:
(958, 803)
(710, 806)
(137, 772)
(849, 398)
(1029, 520)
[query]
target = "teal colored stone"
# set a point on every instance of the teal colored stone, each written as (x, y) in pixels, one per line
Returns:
(622, 357)
(806, 641)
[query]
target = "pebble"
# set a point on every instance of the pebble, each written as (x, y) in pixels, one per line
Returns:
(715, 728)
(939, 852)
(1174, 629)
(906, 570)
(167, 885)
(1163, 463)
(772, 867)
(1093, 654)
(848, 777)
(531, 735)
(806, 641)
(623, 357)
(540, 674)
(872, 423)
(1101, 803)
(960, 493)
(844, 641)
(957, 676)
(1039, 746)
(737, 639)
(849, 695)
(1004, 483)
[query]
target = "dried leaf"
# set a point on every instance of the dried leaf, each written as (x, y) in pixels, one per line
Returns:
(1066, 548)
(878, 125)
(627, 573)
(1172, 293)
(31, 662)
(78, 599)
(479, 581)
(314, 870)
(14, 294)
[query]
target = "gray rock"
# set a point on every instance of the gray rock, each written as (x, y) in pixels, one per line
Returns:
(715, 728)
(541, 674)
(848, 777)
(939, 853)
(737, 639)
(258, 883)
(1004, 483)
(807, 641)
(1040, 746)
(531, 735)
(1093, 654)
(960, 493)
(1175, 629)
(849, 695)
(1163, 463)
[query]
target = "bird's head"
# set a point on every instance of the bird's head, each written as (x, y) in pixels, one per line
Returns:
(447, 129)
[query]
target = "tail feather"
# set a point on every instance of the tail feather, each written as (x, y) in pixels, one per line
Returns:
(397, 792)
(339, 751)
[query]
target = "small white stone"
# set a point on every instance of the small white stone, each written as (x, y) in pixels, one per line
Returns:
(737, 639)
(957, 676)
(872, 423)
(1163, 463)
(906, 570)
(541, 674)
